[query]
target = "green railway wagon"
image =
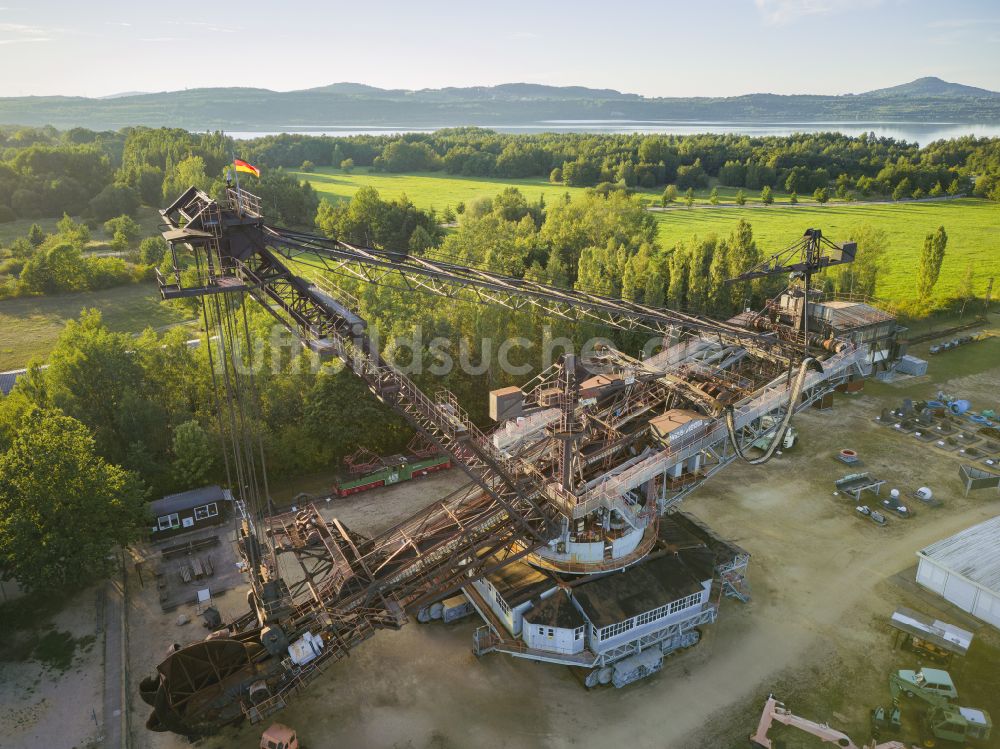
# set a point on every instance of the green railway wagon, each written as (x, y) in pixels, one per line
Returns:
(397, 469)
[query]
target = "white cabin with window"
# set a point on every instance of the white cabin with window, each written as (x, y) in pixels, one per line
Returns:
(188, 511)
(555, 624)
(509, 591)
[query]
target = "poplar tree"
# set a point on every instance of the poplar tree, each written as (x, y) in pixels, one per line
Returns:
(930, 263)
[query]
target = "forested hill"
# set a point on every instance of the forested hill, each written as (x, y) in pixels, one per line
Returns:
(923, 100)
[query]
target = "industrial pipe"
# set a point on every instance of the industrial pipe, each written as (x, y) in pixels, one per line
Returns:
(782, 427)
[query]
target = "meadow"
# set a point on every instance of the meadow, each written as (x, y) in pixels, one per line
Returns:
(147, 218)
(973, 225)
(31, 325)
(973, 228)
(439, 189)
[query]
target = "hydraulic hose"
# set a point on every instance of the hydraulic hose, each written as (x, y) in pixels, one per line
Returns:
(779, 435)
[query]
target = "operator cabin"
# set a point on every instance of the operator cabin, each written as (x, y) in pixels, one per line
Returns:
(189, 511)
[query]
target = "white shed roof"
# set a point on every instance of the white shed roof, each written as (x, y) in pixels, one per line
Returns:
(973, 553)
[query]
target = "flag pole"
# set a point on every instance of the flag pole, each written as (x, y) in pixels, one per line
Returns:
(236, 174)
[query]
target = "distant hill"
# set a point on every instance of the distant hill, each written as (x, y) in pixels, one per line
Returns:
(503, 91)
(360, 105)
(931, 86)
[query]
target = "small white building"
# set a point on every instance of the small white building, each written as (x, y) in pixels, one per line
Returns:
(509, 591)
(965, 570)
(555, 624)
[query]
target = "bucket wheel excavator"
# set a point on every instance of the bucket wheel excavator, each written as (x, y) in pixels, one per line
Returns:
(319, 589)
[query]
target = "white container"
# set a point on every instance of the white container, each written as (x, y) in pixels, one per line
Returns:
(305, 649)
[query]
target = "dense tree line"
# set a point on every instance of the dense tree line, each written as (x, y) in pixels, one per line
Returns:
(803, 163)
(46, 173)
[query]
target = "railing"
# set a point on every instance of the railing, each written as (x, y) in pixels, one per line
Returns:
(509, 434)
(579, 568)
(771, 399)
(244, 203)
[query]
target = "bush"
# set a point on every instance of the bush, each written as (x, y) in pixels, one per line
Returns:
(152, 250)
(903, 190)
(347, 165)
(580, 173)
(114, 200)
(56, 269)
(691, 175)
(123, 230)
(308, 166)
(401, 156)
(27, 204)
(105, 272)
(603, 188)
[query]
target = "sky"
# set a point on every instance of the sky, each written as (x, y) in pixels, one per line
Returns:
(664, 48)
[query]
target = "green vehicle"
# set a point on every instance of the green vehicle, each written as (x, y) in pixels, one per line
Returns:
(392, 471)
(929, 684)
(951, 725)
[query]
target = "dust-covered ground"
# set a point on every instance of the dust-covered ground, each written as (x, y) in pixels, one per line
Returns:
(824, 583)
(52, 672)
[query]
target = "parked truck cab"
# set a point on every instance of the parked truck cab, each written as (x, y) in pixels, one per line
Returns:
(929, 684)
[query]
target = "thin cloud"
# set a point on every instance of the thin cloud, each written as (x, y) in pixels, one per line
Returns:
(780, 12)
(22, 33)
(26, 40)
(20, 28)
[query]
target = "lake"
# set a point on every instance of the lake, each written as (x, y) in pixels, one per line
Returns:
(921, 132)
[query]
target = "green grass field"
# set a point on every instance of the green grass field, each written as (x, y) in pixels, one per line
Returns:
(29, 326)
(428, 190)
(148, 218)
(973, 225)
(973, 228)
(439, 189)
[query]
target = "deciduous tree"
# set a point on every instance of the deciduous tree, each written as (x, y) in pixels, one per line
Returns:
(63, 508)
(930, 263)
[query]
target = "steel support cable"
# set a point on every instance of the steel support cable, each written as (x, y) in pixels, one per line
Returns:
(470, 276)
(779, 435)
(255, 393)
(246, 425)
(244, 407)
(215, 384)
(225, 361)
(602, 311)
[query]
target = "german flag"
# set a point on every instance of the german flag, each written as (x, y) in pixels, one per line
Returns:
(242, 166)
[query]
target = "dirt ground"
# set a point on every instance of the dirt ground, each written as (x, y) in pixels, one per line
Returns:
(824, 583)
(51, 693)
